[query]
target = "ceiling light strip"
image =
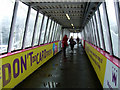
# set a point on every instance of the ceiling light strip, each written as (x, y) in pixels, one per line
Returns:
(72, 24)
(68, 16)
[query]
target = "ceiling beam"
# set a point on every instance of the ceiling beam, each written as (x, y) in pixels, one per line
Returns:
(61, 9)
(55, 3)
(63, 14)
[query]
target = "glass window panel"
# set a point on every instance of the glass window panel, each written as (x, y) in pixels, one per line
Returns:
(94, 35)
(75, 35)
(90, 32)
(104, 26)
(19, 26)
(113, 25)
(30, 29)
(6, 12)
(47, 32)
(58, 33)
(54, 31)
(94, 23)
(71, 34)
(37, 33)
(99, 28)
(43, 30)
(80, 35)
(50, 36)
(85, 34)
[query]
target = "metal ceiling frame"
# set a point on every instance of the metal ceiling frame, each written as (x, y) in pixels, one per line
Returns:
(79, 12)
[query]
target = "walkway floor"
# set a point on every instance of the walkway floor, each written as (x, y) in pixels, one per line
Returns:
(74, 71)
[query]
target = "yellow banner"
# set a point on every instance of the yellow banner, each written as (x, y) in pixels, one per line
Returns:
(16, 68)
(98, 61)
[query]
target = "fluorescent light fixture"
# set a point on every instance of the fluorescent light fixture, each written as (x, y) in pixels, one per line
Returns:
(68, 16)
(72, 24)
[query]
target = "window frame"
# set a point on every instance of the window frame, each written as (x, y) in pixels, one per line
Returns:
(52, 38)
(41, 29)
(96, 28)
(12, 27)
(109, 34)
(46, 30)
(35, 26)
(50, 33)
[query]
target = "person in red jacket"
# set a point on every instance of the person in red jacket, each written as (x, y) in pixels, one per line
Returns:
(64, 44)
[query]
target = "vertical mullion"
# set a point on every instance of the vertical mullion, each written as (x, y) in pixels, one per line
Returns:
(49, 31)
(11, 36)
(46, 30)
(41, 29)
(36, 20)
(108, 30)
(101, 31)
(99, 45)
(26, 27)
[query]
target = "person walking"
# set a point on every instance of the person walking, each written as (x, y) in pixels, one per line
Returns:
(64, 44)
(72, 43)
(77, 41)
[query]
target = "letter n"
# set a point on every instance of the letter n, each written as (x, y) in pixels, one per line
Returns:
(6, 80)
(23, 63)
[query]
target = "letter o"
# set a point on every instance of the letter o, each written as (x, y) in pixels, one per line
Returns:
(16, 61)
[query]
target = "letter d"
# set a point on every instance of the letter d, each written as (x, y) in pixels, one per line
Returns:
(6, 80)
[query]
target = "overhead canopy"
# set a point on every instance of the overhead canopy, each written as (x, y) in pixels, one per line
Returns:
(79, 12)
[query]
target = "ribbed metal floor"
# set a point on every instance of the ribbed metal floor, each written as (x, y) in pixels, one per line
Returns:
(74, 71)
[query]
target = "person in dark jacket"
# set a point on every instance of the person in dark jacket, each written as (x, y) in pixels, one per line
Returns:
(64, 44)
(72, 43)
